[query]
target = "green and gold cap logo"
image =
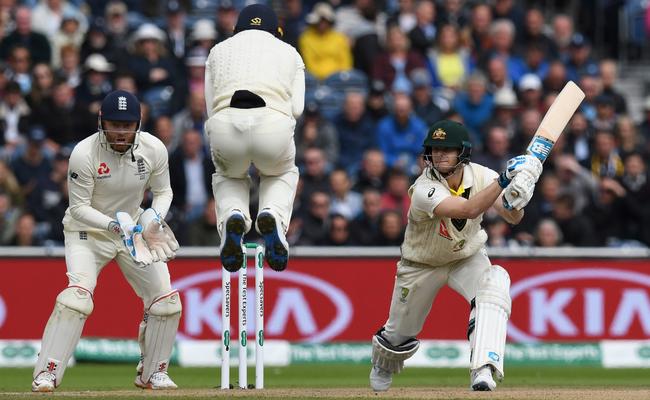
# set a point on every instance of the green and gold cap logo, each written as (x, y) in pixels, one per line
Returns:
(439, 134)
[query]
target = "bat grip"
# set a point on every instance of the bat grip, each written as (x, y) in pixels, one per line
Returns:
(506, 205)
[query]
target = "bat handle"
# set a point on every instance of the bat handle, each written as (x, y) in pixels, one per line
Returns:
(514, 193)
(506, 205)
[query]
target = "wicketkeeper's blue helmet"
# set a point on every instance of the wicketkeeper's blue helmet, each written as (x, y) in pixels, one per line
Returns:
(120, 105)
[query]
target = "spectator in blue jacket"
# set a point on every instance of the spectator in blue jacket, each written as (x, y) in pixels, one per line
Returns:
(475, 106)
(502, 32)
(580, 62)
(32, 168)
(356, 131)
(400, 135)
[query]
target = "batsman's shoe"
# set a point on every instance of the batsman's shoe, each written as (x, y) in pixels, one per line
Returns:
(482, 379)
(380, 379)
(232, 255)
(158, 381)
(276, 246)
(44, 382)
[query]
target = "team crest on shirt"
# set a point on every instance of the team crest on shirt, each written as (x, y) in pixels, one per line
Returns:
(142, 169)
(443, 231)
(459, 245)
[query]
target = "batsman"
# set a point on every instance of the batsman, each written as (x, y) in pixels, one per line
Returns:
(445, 244)
(108, 174)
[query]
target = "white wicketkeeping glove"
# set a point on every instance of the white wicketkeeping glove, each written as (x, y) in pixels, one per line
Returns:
(158, 235)
(519, 191)
(131, 235)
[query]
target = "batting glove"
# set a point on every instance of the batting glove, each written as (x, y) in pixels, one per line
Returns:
(519, 191)
(517, 164)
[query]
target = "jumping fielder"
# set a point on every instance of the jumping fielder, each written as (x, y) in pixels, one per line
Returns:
(108, 174)
(445, 244)
(254, 91)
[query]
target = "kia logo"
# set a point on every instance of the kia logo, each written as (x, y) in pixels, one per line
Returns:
(200, 308)
(550, 308)
(3, 312)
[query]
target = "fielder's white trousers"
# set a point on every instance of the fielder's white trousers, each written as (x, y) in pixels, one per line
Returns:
(264, 137)
(85, 259)
(416, 288)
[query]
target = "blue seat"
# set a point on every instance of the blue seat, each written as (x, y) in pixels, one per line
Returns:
(204, 8)
(311, 82)
(347, 80)
(158, 98)
(330, 101)
(310, 96)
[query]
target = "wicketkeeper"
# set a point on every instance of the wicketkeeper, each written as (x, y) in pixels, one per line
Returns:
(108, 175)
(445, 244)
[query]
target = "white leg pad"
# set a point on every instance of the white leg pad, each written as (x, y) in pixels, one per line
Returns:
(390, 357)
(492, 312)
(158, 333)
(63, 330)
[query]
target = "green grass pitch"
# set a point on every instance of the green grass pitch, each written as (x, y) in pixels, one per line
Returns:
(103, 378)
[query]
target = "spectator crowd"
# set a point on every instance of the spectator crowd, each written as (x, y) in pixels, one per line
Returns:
(378, 74)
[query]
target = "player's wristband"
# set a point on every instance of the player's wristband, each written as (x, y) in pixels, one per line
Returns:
(503, 180)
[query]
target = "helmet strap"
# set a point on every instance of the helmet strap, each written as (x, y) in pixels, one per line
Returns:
(453, 170)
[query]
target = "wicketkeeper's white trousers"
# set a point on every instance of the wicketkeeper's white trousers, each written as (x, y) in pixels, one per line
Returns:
(264, 137)
(86, 254)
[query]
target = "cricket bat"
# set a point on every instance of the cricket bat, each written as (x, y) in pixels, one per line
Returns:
(557, 117)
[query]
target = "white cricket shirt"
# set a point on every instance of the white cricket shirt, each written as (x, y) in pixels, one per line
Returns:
(433, 240)
(102, 182)
(256, 61)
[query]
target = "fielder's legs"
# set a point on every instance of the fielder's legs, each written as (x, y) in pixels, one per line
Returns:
(278, 182)
(162, 314)
(85, 255)
(487, 288)
(229, 136)
(413, 294)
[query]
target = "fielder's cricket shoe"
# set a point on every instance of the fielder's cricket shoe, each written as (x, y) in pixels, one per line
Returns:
(380, 379)
(44, 382)
(158, 381)
(276, 246)
(230, 251)
(482, 379)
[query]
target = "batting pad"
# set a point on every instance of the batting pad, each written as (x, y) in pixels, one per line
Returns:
(389, 357)
(63, 330)
(158, 332)
(492, 312)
